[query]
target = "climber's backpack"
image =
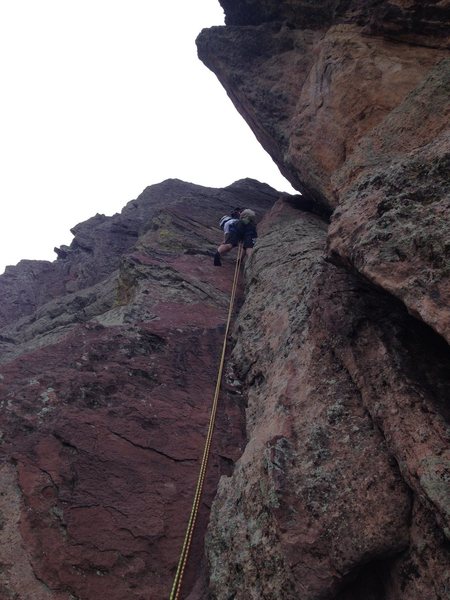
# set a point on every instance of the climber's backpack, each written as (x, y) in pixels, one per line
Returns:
(227, 218)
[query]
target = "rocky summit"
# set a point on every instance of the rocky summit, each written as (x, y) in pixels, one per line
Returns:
(329, 477)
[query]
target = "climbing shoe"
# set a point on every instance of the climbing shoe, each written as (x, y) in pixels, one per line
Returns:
(217, 261)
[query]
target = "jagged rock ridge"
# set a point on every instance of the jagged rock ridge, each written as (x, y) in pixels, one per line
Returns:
(107, 369)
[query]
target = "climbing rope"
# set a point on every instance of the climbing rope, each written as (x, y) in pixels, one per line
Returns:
(176, 587)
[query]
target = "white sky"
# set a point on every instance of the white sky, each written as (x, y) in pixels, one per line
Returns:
(100, 98)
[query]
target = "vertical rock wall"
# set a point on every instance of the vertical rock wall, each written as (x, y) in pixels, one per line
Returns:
(343, 488)
(107, 370)
(341, 491)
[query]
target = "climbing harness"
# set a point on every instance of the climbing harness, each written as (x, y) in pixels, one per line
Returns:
(176, 587)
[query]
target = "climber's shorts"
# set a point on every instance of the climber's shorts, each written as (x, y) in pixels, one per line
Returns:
(232, 238)
(249, 241)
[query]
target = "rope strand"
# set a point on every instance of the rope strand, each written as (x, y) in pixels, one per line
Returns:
(176, 587)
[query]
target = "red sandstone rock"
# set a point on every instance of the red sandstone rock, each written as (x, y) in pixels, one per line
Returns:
(346, 402)
(353, 107)
(105, 393)
(393, 221)
(109, 355)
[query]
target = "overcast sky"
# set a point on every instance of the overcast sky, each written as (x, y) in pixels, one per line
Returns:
(101, 98)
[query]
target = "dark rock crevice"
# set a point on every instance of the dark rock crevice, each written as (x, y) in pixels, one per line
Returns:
(159, 452)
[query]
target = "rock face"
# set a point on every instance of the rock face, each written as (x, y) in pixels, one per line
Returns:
(332, 442)
(108, 363)
(355, 113)
(412, 20)
(343, 490)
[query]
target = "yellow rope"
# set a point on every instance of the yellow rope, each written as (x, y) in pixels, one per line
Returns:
(176, 588)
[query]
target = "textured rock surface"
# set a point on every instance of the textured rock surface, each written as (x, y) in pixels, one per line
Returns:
(347, 402)
(108, 356)
(108, 363)
(422, 21)
(393, 223)
(343, 488)
(351, 101)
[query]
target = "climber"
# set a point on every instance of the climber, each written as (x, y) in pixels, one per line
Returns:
(228, 223)
(246, 230)
(241, 229)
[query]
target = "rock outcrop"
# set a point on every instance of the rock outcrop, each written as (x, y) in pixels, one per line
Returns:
(356, 116)
(108, 364)
(343, 489)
